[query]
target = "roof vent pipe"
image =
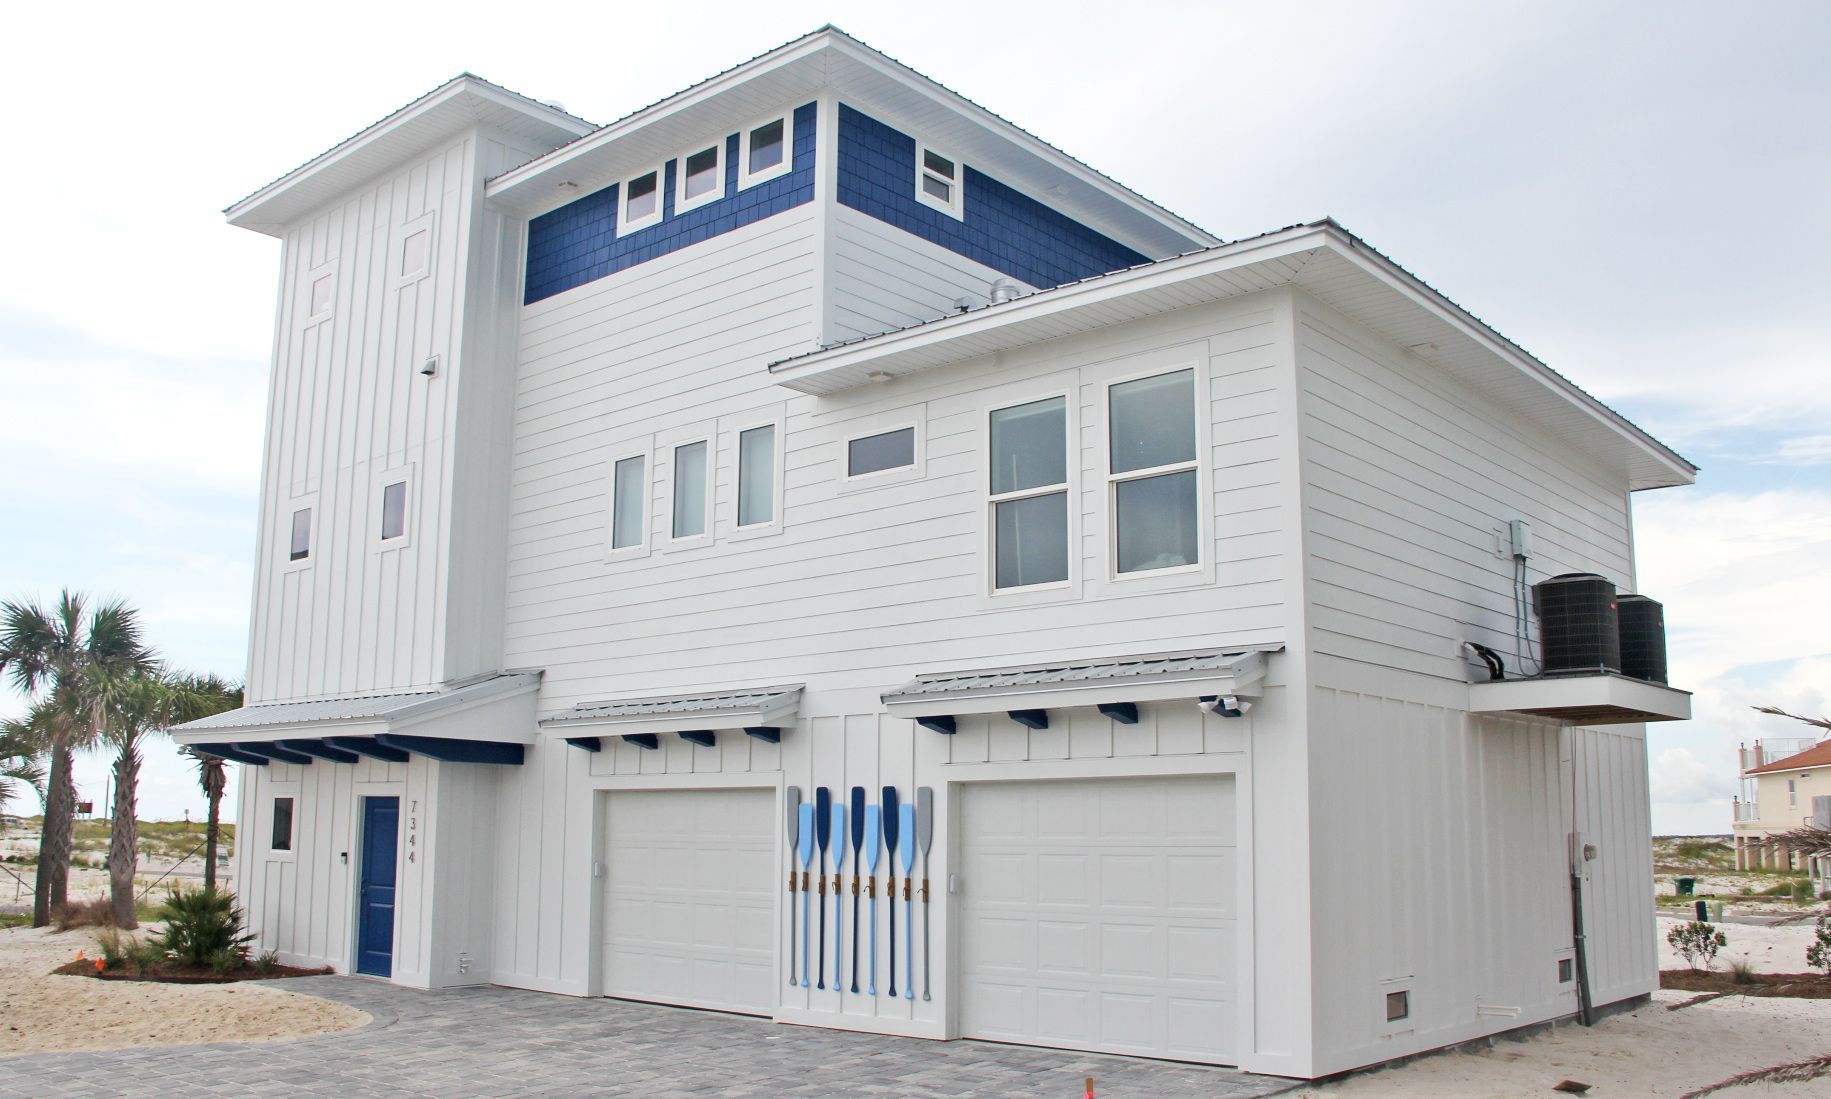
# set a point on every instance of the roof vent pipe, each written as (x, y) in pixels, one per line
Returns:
(1003, 290)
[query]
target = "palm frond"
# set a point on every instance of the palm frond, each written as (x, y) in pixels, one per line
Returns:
(1815, 722)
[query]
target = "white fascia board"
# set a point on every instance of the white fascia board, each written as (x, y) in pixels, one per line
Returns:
(779, 714)
(1245, 678)
(422, 718)
(307, 730)
(1655, 701)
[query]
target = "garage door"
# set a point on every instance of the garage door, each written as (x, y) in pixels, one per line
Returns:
(1100, 915)
(689, 887)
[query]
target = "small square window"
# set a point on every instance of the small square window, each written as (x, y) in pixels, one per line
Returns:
(641, 202)
(766, 151)
(702, 178)
(321, 295)
(282, 824)
(1567, 969)
(1398, 1005)
(879, 453)
(301, 547)
(413, 252)
(938, 181)
(394, 510)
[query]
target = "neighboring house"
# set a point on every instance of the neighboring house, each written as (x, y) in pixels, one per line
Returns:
(1780, 779)
(816, 427)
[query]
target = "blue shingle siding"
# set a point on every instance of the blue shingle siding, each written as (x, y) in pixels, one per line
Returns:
(1002, 229)
(578, 242)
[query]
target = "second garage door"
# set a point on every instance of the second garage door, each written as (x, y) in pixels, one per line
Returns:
(689, 886)
(1099, 915)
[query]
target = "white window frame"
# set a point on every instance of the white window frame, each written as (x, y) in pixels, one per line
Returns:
(304, 502)
(681, 202)
(1204, 559)
(269, 790)
(1067, 387)
(322, 271)
(745, 177)
(397, 253)
(957, 185)
(626, 226)
(773, 418)
(664, 460)
(913, 418)
(378, 485)
(1388, 1028)
(644, 449)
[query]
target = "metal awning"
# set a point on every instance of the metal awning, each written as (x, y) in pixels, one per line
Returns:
(1115, 685)
(697, 716)
(485, 720)
(1582, 699)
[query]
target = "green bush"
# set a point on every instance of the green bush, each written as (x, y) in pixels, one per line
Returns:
(115, 950)
(1697, 942)
(227, 961)
(147, 956)
(200, 922)
(1818, 954)
(267, 962)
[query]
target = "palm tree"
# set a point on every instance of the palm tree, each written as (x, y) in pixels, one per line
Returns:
(135, 706)
(50, 655)
(214, 779)
(22, 747)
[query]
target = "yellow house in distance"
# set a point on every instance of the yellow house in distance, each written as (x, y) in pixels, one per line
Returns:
(1780, 780)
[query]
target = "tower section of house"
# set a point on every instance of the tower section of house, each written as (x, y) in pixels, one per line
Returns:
(832, 434)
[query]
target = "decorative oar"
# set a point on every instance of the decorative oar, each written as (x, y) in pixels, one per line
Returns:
(906, 849)
(858, 840)
(805, 828)
(823, 833)
(925, 835)
(794, 836)
(839, 900)
(892, 818)
(870, 867)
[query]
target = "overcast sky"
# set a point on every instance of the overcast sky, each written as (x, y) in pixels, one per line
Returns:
(1637, 193)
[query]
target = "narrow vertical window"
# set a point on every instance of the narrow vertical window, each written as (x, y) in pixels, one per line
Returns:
(756, 476)
(301, 535)
(629, 492)
(413, 252)
(702, 177)
(765, 151)
(321, 295)
(641, 202)
(1029, 494)
(1152, 471)
(282, 824)
(938, 181)
(689, 490)
(394, 510)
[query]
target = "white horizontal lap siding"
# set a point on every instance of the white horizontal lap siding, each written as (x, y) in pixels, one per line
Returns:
(1407, 477)
(867, 584)
(346, 403)
(884, 278)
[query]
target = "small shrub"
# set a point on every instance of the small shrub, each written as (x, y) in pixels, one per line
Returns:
(1742, 971)
(95, 913)
(115, 949)
(1818, 953)
(200, 922)
(1697, 942)
(1802, 891)
(226, 961)
(267, 962)
(1780, 889)
(147, 956)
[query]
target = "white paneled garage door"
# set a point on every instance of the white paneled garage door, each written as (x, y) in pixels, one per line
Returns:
(1099, 915)
(688, 892)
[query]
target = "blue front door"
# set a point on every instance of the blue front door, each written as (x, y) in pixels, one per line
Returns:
(381, 824)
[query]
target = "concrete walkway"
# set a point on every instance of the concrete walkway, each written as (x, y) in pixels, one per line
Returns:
(499, 1041)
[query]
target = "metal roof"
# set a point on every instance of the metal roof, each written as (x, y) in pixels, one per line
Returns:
(739, 702)
(1200, 664)
(360, 708)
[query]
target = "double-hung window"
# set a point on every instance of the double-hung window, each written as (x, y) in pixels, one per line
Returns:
(701, 178)
(1152, 481)
(641, 202)
(938, 181)
(765, 151)
(1028, 494)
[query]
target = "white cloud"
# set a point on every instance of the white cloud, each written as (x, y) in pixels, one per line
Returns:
(1679, 776)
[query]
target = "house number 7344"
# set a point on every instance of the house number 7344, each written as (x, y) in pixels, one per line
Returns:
(413, 826)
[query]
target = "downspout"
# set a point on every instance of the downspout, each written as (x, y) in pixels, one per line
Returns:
(1579, 938)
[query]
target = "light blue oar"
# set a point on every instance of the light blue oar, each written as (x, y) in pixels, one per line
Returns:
(873, 835)
(806, 855)
(905, 849)
(839, 858)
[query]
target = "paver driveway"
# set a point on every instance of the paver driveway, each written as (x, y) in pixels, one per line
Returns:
(499, 1041)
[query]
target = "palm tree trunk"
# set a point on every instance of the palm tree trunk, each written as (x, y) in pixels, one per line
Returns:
(52, 887)
(211, 832)
(124, 836)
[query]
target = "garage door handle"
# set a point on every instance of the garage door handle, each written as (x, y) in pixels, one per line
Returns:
(953, 883)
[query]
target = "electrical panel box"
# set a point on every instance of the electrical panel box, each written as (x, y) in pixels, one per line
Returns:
(1519, 538)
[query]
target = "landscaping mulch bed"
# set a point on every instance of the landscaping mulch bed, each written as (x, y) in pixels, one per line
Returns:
(1806, 986)
(185, 974)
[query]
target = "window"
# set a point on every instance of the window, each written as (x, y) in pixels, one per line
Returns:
(282, 824)
(1029, 494)
(393, 510)
(301, 547)
(881, 452)
(765, 151)
(1792, 792)
(1152, 473)
(321, 296)
(756, 476)
(702, 178)
(1398, 1005)
(641, 205)
(1566, 972)
(414, 251)
(690, 490)
(938, 181)
(629, 497)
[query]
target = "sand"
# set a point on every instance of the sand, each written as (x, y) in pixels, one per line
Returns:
(40, 1012)
(1776, 948)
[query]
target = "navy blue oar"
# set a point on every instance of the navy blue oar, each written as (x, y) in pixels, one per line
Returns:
(870, 865)
(823, 826)
(925, 835)
(892, 819)
(906, 849)
(805, 827)
(858, 841)
(793, 801)
(839, 899)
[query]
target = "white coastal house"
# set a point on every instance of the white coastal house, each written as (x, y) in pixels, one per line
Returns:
(815, 429)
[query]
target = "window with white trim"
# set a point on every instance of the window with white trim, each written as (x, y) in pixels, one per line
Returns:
(320, 299)
(756, 476)
(639, 205)
(689, 498)
(1028, 494)
(300, 547)
(629, 502)
(393, 511)
(281, 837)
(1153, 490)
(938, 182)
(700, 178)
(881, 453)
(765, 151)
(415, 249)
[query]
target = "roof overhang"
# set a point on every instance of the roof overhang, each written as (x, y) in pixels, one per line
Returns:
(686, 711)
(1094, 683)
(1582, 699)
(1321, 259)
(463, 103)
(499, 709)
(830, 59)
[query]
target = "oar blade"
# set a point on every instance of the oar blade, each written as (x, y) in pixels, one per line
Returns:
(839, 829)
(873, 837)
(905, 847)
(858, 819)
(793, 801)
(805, 826)
(823, 818)
(925, 818)
(892, 818)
